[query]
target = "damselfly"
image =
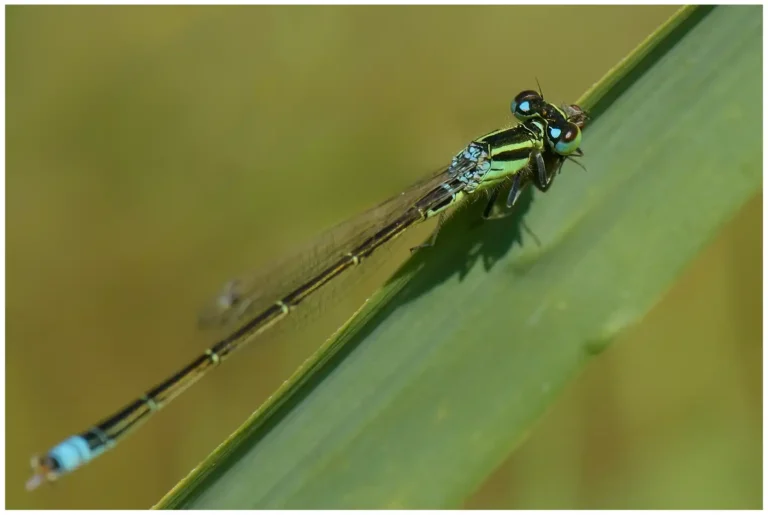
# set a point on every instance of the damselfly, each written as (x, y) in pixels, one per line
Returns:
(515, 155)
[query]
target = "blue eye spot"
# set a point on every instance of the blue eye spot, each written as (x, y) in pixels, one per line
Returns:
(525, 106)
(554, 132)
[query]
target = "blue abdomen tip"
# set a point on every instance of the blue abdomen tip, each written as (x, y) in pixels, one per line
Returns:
(71, 453)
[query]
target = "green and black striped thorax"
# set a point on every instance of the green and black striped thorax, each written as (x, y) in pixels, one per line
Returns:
(498, 155)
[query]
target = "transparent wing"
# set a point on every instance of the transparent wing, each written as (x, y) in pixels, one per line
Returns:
(245, 296)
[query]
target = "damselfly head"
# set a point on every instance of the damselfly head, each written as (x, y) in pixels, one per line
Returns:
(563, 125)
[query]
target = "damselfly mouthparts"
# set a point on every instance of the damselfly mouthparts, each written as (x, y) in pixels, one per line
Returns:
(515, 155)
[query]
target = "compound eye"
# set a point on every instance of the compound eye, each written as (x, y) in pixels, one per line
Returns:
(526, 105)
(565, 142)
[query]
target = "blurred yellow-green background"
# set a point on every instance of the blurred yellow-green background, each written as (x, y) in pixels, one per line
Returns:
(155, 152)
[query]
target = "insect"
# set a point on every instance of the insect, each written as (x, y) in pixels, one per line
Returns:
(515, 154)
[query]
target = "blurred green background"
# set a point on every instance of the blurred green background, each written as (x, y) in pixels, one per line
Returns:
(154, 152)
